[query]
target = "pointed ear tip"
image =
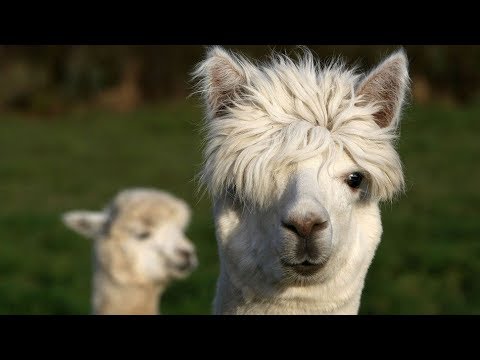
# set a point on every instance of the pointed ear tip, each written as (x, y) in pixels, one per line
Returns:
(67, 217)
(215, 51)
(401, 55)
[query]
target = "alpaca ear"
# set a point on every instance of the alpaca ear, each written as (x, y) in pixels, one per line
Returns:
(221, 76)
(386, 86)
(86, 223)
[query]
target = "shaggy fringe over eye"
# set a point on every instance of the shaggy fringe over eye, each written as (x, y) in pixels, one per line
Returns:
(283, 112)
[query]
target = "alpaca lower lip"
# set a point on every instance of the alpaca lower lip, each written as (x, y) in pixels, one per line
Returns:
(185, 266)
(305, 268)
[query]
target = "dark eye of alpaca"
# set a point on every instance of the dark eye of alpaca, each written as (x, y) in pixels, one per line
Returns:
(143, 235)
(354, 180)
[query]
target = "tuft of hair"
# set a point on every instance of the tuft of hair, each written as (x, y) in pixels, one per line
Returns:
(263, 118)
(167, 207)
(129, 202)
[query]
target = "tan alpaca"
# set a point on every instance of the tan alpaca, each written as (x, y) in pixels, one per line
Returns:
(139, 248)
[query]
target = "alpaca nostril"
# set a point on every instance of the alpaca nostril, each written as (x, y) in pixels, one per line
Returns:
(290, 227)
(305, 227)
(187, 260)
(320, 225)
(184, 254)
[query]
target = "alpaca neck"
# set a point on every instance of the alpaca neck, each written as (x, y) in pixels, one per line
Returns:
(113, 298)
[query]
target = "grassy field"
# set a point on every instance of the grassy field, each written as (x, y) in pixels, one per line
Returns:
(428, 261)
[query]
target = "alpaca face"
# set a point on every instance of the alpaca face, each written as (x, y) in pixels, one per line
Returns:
(139, 238)
(314, 216)
(142, 249)
(292, 240)
(297, 158)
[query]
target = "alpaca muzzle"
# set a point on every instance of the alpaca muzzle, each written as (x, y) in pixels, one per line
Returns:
(308, 242)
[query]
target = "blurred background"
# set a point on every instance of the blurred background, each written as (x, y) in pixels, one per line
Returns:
(80, 123)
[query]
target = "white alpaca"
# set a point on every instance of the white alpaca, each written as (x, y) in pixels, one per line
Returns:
(297, 158)
(139, 248)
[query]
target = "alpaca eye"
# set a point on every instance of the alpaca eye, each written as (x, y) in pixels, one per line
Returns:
(232, 191)
(354, 180)
(143, 235)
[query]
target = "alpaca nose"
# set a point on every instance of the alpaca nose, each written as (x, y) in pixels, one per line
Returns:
(185, 255)
(305, 226)
(188, 258)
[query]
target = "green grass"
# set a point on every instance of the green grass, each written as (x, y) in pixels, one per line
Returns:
(427, 262)
(429, 259)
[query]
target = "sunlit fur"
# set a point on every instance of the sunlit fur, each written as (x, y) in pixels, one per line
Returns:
(285, 112)
(265, 124)
(139, 248)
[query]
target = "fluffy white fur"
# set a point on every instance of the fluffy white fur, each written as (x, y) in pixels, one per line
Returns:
(139, 248)
(280, 140)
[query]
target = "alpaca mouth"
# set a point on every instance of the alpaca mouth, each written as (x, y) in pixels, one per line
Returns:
(186, 266)
(181, 269)
(305, 268)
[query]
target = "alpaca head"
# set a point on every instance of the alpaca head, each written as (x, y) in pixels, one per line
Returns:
(297, 157)
(139, 238)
